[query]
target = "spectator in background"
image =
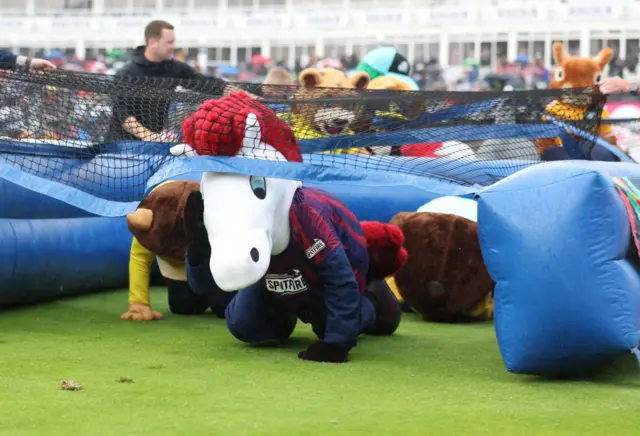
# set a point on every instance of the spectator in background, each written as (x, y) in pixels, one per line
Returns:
(432, 73)
(617, 85)
(278, 84)
(629, 72)
(616, 65)
(278, 76)
(10, 60)
(144, 118)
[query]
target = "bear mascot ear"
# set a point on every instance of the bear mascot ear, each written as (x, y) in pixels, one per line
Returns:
(445, 278)
(360, 80)
(310, 77)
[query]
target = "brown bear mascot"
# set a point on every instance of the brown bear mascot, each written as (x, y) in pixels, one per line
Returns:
(445, 278)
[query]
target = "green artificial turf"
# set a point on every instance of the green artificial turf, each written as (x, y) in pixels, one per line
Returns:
(190, 377)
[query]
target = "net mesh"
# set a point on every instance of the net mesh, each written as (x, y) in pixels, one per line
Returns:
(109, 134)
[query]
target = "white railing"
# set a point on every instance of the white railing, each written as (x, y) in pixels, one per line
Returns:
(472, 16)
(499, 9)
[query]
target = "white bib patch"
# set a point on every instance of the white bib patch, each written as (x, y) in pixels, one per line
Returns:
(317, 247)
(286, 283)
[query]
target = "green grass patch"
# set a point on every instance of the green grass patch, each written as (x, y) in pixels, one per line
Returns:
(189, 376)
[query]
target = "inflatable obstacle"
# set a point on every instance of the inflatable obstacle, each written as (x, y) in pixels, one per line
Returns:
(45, 259)
(74, 192)
(557, 240)
(58, 240)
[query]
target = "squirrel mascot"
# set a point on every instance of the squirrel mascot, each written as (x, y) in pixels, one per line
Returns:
(586, 73)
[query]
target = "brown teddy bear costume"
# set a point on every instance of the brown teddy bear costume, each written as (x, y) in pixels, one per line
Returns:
(310, 120)
(158, 232)
(445, 278)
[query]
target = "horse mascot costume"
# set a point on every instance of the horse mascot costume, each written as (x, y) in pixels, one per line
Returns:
(292, 252)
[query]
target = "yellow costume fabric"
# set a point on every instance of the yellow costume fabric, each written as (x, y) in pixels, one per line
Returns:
(481, 311)
(393, 113)
(140, 265)
(568, 112)
(303, 130)
(484, 309)
(391, 282)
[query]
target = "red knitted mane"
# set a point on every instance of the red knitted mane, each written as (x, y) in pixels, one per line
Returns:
(217, 127)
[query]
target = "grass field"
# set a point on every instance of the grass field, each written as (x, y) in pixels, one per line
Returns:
(190, 377)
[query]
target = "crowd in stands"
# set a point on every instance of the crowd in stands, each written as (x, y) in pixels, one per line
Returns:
(521, 73)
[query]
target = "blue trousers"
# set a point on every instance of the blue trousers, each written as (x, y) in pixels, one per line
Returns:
(255, 315)
(204, 291)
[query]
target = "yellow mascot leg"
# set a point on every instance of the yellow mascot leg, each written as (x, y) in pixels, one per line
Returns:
(391, 282)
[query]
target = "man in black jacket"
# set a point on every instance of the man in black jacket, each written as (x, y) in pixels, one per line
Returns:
(143, 117)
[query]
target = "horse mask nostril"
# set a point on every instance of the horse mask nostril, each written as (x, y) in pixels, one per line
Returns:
(255, 255)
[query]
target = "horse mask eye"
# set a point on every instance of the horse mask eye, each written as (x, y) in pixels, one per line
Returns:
(258, 186)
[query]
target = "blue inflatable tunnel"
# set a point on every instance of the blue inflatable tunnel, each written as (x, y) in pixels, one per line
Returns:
(59, 238)
(557, 241)
(45, 259)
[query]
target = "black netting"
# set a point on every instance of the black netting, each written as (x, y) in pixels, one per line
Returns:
(72, 128)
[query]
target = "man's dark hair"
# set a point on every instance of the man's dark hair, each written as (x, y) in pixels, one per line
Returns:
(154, 29)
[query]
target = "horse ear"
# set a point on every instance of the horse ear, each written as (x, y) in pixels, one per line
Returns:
(251, 141)
(252, 144)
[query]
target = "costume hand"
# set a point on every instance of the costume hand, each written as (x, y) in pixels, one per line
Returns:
(183, 150)
(41, 64)
(194, 229)
(194, 217)
(614, 85)
(141, 312)
(164, 136)
(323, 352)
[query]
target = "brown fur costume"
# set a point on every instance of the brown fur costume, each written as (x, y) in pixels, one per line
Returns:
(445, 278)
(158, 221)
(389, 83)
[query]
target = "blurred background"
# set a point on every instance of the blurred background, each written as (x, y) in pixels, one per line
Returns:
(452, 44)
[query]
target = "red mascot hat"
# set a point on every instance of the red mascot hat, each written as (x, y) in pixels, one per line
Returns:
(229, 127)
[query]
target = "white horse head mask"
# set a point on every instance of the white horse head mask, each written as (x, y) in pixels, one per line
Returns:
(246, 217)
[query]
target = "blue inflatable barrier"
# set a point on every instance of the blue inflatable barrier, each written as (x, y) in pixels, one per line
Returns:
(556, 240)
(57, 240)
(45, 259)
(112, 184)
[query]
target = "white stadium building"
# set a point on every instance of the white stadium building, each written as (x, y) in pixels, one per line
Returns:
(234, 30)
